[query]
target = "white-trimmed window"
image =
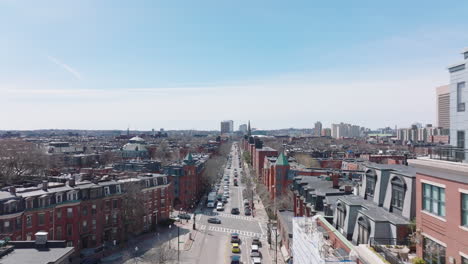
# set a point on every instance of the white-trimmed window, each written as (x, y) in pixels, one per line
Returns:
(464, 209)
(165, 180)
(434, 199)
(117, 189)
(72, 196)
(59, 198)
(147, 183)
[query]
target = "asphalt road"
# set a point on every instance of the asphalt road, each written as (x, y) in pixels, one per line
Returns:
(212, 245)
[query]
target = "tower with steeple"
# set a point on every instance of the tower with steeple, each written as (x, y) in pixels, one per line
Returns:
(249, 130)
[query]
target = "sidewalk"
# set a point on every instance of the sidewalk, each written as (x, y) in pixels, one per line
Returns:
(262, 216)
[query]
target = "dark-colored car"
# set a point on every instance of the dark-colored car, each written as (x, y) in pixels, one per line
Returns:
(256, 241)
(235, 238)
(214, 220)
(235, 260)
(225, 200)
(184, 216)
(235, 211)
(247, 211)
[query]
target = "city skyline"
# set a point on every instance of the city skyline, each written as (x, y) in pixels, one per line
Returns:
(90, 65)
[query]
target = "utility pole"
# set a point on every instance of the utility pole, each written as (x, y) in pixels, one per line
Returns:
(178, 244)
(276, 245)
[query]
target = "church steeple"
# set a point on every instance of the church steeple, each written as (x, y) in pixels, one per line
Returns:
(249, 131)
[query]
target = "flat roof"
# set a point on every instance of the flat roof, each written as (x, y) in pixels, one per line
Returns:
(447, 170)
(36, 256)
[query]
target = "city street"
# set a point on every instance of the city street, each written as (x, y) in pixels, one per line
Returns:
(212, 244)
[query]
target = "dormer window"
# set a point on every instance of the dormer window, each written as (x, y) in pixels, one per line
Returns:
(147, 183)
(106, 191)
(72, 196)
(371, 180)
(9, 206)
(155, 182)
(29, 203)
(340, 215)
(59, 198)
(44, 200)
(117, 189)
(165, 180)
(398, 193)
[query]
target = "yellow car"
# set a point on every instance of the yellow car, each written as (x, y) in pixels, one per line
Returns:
(235, 248)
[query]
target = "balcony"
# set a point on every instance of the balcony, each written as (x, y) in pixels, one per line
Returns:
(448, 153)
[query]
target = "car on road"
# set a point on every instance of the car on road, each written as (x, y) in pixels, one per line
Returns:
(247, 211)
(225, 200)
(235, 183)
(184, 216)
(235, 248)
(255, 260)
(210, 205)
(235, 238)
(246, 202)
(235, 211)
(254, 249)
(220, 207)
(214, 220)
(256, 241)
(226, 194)
(235, 259)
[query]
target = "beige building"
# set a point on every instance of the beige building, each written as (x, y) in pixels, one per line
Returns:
(443, 106)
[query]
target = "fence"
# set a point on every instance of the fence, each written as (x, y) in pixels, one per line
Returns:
(449, 153)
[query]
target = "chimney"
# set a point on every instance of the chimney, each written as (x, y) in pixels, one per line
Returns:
(335, 180)
(71, 182)
(12, 190)
(45, 185)
(41, 239)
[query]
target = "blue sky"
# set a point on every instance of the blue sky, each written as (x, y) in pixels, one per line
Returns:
(189, 64)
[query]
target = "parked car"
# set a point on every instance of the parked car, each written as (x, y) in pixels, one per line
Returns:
(235, 238)
(247, 211)
(246, 202)
(220, 207)
(225, 200)
(184, 216)
(254, 248)
(214, 220)
(235, 211)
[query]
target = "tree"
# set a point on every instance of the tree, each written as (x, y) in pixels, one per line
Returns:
(19, 158)
(133, 209)
(163, 254)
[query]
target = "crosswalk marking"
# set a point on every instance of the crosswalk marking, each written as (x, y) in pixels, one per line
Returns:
(242, 233)
(242, 217)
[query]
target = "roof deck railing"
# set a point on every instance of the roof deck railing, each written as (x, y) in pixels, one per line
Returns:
(449, 153)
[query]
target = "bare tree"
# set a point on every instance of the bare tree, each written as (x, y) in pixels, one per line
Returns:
(133, 209)
(19, 158)
(163, 254)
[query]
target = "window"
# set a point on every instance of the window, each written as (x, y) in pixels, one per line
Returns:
(6, 226)
(398, 193)
(464, 209)
(29, 220)
(147, 183)
(115, 204)
(69, 243)
(371, 180)
(18, 223)
(41, 218)
(114, 218)
(59, 213)
(94, 224)
(461, 139)
(107, 219)
(117, 189)
(163, 202)
(85, 226)
(93, 209)
(433, 253)
(29, 203)
(464, 260)
(108, 204)
(165, 180)
(340, 215)
(434, 199)
(363, 231)
(70, 212)
(59, 198)
(106, 191)
(73, 195)
(69, 230)
(163, 192)
(460, 102)
(84, 211)
(58, 233)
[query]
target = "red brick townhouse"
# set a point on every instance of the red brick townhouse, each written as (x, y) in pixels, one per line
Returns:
(85, 214)
(442, 210)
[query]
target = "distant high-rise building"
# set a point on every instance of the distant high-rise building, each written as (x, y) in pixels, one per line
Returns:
(343, 130)
(318, 129)
(326, 132)
(227, 126)
(243, 128)
(443, 106)
(458, 103)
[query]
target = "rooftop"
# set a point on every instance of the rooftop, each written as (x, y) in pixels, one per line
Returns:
(447, 170)
(27, 253)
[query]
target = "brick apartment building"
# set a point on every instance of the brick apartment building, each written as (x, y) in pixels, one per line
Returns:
(442, 210)
(186, 177)
(85, 214)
